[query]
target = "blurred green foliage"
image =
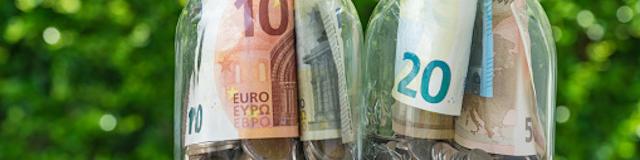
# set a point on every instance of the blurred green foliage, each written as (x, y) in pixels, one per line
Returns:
(598, 78)
(89, 79)
(93, 79)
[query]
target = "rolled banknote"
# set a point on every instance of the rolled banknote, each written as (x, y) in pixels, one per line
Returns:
(507, 123)
(432, 54)
(328, 41)
(418, 55)
(324, 99)
(242, 82)
(414, 122)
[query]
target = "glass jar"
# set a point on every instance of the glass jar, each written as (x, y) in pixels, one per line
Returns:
(329, 41)
(506, 107)
(235, 83)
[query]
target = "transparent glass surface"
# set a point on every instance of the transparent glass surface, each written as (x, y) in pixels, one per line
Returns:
(321, 109)
(380, 141)
(186, 47)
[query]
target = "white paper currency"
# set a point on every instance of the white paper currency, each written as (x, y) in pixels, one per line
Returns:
(432, 54)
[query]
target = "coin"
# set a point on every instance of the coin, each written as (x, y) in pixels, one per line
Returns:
(420, 148)
(443, 151)
(267, 149)
(326, 150)
(476, 154)
(386, 151)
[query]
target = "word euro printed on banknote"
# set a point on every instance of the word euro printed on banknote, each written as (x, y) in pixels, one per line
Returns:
(244, 80)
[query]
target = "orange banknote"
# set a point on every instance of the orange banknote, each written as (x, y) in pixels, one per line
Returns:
(244, 82)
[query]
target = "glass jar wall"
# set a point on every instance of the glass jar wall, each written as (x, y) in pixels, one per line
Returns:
(509, 89)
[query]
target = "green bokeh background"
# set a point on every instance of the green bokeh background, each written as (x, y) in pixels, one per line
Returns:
(93, 79)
